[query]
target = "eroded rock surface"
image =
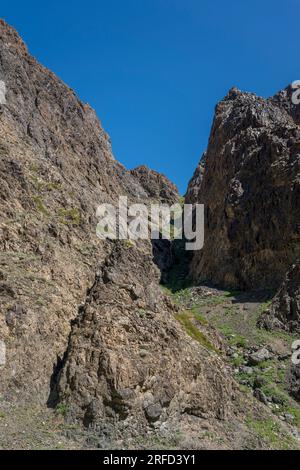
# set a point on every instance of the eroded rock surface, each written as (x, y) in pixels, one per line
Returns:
(128, 360)
(84, 324)
(56, 167)
(156, 185)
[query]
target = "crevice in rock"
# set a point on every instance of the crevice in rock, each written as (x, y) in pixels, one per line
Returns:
(54, 380)
(53, 398)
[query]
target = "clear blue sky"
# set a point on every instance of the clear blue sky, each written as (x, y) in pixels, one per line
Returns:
(154, 69)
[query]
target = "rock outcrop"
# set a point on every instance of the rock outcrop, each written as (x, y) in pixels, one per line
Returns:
(251, 190)
(195, 182)
(128, 363)
(156, 185)
(284, 312)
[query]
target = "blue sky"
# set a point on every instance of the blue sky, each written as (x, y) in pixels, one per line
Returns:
(154, 69)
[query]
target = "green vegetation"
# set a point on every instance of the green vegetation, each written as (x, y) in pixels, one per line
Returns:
(198, 316)
(238, 360)
(234, 339)
(272, 433)
(128, 244)
(235, 314)
(186, 319)
(51, 186)
(62, 409)
(158, 442)
(181, 200)
(141, 313)
(72, 215)
(40, 205)
(34, 168)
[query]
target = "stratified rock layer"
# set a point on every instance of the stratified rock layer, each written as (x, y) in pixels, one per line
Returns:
(251, 190)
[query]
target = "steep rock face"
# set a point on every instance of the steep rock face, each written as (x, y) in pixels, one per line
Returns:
(293, 382)
(56, 167)
(251, 191)
(195, 182)
(284, 312)
(83, 321)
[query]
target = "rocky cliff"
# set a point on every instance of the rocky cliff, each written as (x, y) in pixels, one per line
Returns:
(56, 166)
(85, 327)
(83, 320)
(249, 182)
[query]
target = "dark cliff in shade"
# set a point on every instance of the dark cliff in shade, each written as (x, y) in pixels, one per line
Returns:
(250, 186)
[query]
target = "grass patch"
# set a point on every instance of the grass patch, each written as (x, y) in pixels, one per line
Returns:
(53, 186)
(40, 205)
(62, 409)
(272, 433)
(70, 215)
(186, 320)
(234, 339)
(195, 311)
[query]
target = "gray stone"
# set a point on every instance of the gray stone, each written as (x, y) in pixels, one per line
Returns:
(153, 411)
(259, 356)
(259, 394)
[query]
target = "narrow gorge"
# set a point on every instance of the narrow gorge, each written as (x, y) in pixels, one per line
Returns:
(138, 344)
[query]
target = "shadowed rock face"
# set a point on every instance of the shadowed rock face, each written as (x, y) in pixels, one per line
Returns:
(250, 186)
(284, 312)
(192, 194)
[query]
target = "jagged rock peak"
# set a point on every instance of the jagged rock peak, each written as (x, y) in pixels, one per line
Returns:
(43, 108)
(11, 38)
(156, 185)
